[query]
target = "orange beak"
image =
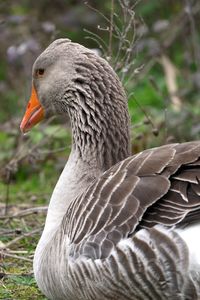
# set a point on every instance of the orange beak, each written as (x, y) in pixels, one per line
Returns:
(34, 113)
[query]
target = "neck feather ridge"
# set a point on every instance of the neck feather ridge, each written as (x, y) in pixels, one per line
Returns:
(98, 110)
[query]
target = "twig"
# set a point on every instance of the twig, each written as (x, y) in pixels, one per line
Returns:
(17, 274)
(26, 212)
(20, 154)
(7, 192)
(177, 26)
(22, 236)
(111, 30)
(21, 252)
(97, 11)
(171, 81)
(95, 37)
(144, 112)
(194, 38)
(3, 253)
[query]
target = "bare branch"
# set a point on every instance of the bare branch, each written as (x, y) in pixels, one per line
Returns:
(26, 212)
(7, 254)
(17, 239)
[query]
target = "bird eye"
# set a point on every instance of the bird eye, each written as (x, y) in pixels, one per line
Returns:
(39, 72)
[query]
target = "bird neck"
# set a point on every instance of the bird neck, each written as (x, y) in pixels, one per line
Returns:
(76, 176)
(74, 179)
(99, 116)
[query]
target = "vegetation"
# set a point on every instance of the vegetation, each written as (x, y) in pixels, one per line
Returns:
(154, 46)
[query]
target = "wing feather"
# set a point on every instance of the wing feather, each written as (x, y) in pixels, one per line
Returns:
(157, 186)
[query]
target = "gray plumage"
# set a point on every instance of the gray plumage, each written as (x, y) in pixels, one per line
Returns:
(114, 221)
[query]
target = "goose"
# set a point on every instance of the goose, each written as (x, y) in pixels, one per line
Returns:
(118, 226)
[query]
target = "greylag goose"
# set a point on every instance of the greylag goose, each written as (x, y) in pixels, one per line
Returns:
(118, 226)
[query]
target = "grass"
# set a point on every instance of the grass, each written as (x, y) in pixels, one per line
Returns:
(17, 280)
(21, 285)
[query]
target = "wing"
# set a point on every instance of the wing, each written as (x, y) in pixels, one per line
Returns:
(157, 186)
(152, 265)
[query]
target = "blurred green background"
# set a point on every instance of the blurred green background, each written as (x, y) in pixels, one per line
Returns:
(154, 46)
